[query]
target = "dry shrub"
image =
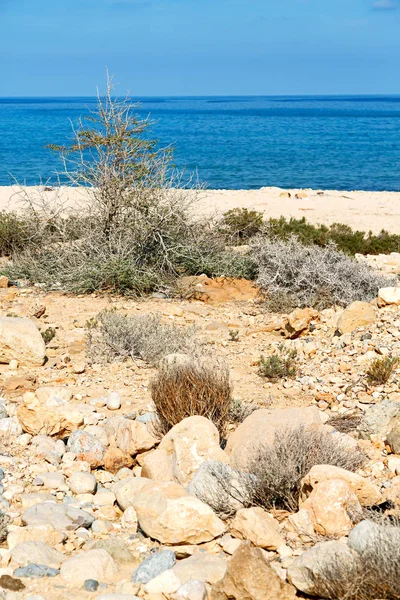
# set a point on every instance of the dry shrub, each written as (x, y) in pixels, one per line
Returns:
(279, 468)
(239, 411)
(345, 423)
(4, 522)
(112, 336)
(380, 370)
(186, 386)
(311, 275)
(373, 574)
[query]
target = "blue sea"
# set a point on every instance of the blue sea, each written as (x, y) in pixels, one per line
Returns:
(342, 143)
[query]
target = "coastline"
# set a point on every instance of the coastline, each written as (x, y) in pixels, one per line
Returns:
(361, 210)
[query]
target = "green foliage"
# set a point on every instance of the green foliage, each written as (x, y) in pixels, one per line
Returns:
(240, 224)
(48, 334)
(348, 241)
(380, 370)
(279, 365)
(15, 233)
(233, 335)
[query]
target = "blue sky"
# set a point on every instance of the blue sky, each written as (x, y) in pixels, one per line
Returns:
(200, 47)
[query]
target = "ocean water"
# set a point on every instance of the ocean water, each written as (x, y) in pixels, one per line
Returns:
(232, 142)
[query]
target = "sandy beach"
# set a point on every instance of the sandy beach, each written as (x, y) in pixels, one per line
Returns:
(361, 210)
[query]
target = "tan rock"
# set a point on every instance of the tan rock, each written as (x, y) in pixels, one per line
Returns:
(93, 564)
(167, 513)
(334, 507)
(126, 489)
(57, 422)
(36, 552)
(389, 295)
(257, 526)
(115, 459)
(190, 443)
(202, 567)
(20, 339)
(366, 492)
(250, 577)
(299, 321)
(134, 437)
(357, 314)
(260, 427)
(157, 465)
(3, 282)
(43, 533)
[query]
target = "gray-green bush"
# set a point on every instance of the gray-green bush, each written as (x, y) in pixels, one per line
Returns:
(311, 275)
(112, 336)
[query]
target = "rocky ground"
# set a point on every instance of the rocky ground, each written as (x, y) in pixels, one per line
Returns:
(96, 507)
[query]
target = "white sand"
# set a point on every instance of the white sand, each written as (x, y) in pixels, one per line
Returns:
(361, 210)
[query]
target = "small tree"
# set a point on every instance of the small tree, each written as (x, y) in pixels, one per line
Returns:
(135, 229)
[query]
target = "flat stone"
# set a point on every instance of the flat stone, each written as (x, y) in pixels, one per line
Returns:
(153, 566)
(34, 571)
(60, 516)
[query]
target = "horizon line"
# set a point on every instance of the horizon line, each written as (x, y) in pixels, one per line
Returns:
(381, 95)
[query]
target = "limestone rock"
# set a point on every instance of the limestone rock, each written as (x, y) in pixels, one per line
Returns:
(126, 489)
(92, 564)
(393, 437)
(366, 492)
(334, 507)
(250, 577)
(86, 447)
(257, 526)
(299, 321)
(204, 567)
(134, 437)
(167, 513)
(260, 428)
(82, 482)
(57, 422)
(192, 590)
(379, 418)
(157, 465)
(42, 533)
(116, 459)
(306, 573)
(357, 314)
(190, 443)
(166, 583)
(20, 339)
(60, 516)
(36, 552)
(367, 536)
(389, 295)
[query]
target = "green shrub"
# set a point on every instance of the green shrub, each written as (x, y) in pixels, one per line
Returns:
(15, 233)
(348, 241)
(279, 365)
(240, 224)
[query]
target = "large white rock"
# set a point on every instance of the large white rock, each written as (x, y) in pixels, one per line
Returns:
(190, 443)
(20, 339)
(93, 564)
(168, 513)
(258, 526)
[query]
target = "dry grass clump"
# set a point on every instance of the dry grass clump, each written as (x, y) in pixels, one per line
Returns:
(346, 423)
(381, 369)
(186, 386)
(374, 572)
(279, 468)
(4, 523)
(112, 336)
(311, 275)
(280, 365)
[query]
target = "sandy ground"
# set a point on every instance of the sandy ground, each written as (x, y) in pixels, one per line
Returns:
(361, 210)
